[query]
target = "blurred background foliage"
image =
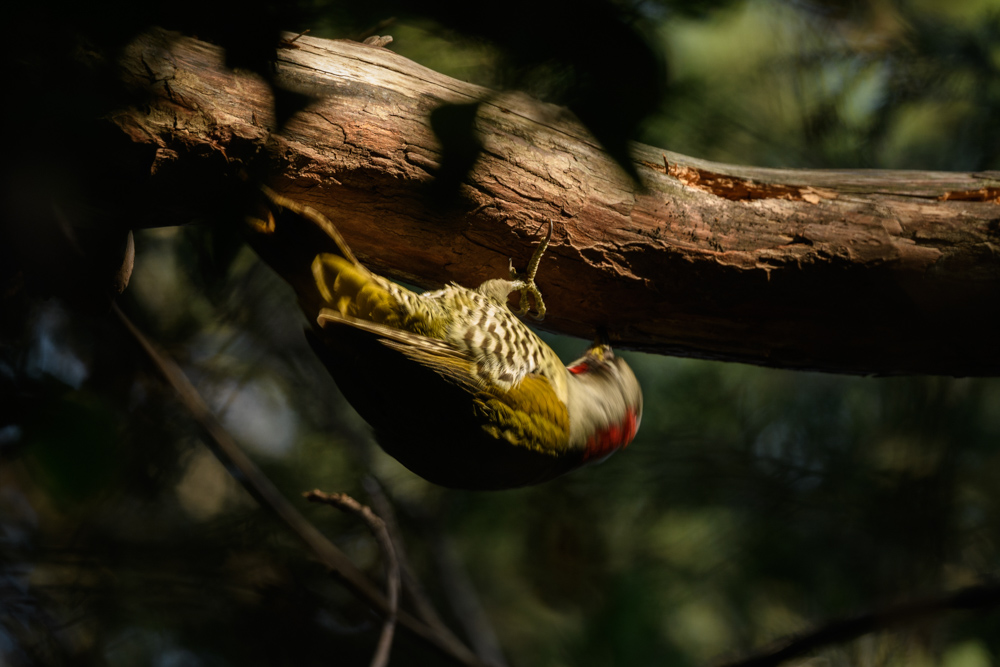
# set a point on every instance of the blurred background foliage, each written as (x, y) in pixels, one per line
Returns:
(754, 502)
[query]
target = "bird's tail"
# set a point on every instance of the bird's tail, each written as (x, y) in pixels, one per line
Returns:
(292, 237)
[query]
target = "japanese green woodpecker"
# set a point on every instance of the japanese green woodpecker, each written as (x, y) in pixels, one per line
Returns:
(456, 387)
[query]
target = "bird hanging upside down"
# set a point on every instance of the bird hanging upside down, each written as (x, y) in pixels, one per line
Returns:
(455, 386)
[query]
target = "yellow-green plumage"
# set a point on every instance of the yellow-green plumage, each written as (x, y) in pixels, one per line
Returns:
(456, 387)
(526, 416)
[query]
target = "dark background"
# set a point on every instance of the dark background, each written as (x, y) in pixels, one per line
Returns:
(754, 502)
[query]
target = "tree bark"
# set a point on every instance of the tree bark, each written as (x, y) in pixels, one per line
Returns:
(846, 271)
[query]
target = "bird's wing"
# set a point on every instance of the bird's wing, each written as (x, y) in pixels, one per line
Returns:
(489, 348)
(453, 364)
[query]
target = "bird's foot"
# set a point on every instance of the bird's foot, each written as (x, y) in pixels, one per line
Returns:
(526, 285)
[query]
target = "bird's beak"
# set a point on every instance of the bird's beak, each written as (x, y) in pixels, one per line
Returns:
(601, 348)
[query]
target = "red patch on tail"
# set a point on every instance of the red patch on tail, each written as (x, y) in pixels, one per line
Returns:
(616, 436)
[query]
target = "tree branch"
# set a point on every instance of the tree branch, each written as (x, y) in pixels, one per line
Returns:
(845, 271)
(983, 596)
(378, 528)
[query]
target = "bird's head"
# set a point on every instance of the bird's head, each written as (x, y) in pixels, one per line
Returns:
(605, 402)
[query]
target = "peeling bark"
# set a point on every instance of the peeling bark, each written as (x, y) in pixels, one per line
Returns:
(843, 271)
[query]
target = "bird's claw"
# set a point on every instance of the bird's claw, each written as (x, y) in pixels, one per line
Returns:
(526, 286)
(530, 288)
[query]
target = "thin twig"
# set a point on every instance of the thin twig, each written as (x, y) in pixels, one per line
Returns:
(845, 629)
(377, 526)
(259, 486)
(458, 588)
(411, 583)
